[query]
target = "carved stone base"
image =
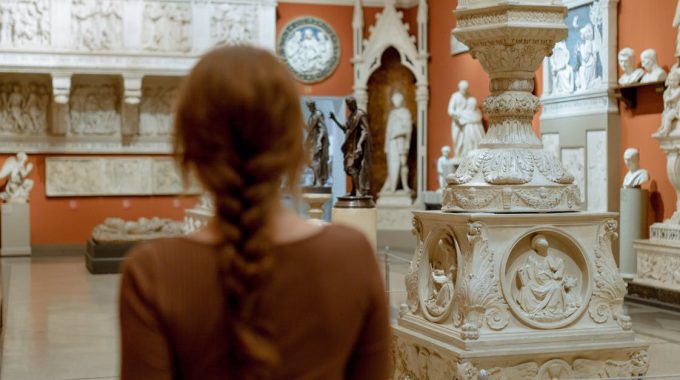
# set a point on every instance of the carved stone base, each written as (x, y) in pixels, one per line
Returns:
(493, 291)
(658, 264)
(420, 357)
(665, 231)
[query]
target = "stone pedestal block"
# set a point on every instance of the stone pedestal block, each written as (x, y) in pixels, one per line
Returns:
(489, 294)
(361, 215)
(394, 211)
(15, 223)
(658, 264)
(633, 227)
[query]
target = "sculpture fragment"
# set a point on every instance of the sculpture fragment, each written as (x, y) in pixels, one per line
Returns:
(16, 169)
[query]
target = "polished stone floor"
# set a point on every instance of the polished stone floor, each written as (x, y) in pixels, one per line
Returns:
(60, 322)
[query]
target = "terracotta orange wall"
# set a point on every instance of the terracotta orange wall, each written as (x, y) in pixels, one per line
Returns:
(70, 220)
(643, 26)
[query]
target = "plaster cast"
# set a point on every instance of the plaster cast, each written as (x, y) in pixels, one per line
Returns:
(119, 230)
(653, 72)
(630, 74)
(562, 73)
(467, 129)
(16, 169)
(635, 176)
(397, 145)
(444, 166)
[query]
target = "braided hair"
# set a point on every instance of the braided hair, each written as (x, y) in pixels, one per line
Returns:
(239, 128)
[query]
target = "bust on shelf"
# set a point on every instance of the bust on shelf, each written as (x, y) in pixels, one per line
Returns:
(653, 72)
(630, 74)
(635, 176)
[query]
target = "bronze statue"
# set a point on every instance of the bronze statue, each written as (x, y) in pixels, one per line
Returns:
(317, 143)
(357, 148)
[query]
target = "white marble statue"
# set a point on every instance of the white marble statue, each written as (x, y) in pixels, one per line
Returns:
(650, 65)
(466, 127)
(562, 73)
(671, 103)
(397, 144)
(444, 166)
(119, 230)
(588, 49)
(630, 74)
(546, 293)
(16, 170)
(635, 176)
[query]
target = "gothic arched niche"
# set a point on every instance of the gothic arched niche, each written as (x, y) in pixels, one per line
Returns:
(390, 77)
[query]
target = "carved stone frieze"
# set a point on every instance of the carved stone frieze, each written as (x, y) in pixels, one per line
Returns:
(94, 110)
(96, 176)
(658, 264)
(155, 110)
(25, 23)
(234, 23)
(23, 108)
(607, 299)
(166, 26)
(508, 198)
(413, 361)
(411, 277)
(97, 25)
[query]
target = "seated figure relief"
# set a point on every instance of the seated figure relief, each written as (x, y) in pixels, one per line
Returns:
(545, 292)
(440, 284)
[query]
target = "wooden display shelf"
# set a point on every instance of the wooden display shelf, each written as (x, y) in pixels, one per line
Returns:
(629, 93)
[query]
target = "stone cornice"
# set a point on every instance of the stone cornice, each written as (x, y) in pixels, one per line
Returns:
(367, 3)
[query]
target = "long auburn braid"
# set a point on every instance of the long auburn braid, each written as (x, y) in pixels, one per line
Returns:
(239, 126)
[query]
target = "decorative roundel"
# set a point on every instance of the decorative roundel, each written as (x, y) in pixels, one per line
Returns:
(310, 48)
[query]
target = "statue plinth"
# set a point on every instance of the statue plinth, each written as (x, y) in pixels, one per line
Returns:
(316, 197)
(15, 226)
(358, 212)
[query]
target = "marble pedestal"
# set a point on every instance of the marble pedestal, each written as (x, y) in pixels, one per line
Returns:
(360, 213)
(658, 264)
(394, 211)
(196, 218)
(15, 223)
(633, 217)
(316, 201)
(466, 313)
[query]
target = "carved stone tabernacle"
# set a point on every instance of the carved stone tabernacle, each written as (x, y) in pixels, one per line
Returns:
(490, 285)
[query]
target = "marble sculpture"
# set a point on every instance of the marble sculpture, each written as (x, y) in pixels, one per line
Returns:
(16, 169)
(397, 145)
(589, 49)
(562, 73)
(444, 166)
(635, 176)
(357, 148)
(671, 103)
(467, 129)
(649, 62)
(630, 74)
(317, 143)
(119, 230)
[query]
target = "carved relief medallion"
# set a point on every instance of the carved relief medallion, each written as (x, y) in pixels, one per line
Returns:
(546, 279)
(310, 48)
(437, 277)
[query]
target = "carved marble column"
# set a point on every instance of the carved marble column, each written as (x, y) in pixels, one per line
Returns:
(132, 95)
(500, 285)
(59, 112)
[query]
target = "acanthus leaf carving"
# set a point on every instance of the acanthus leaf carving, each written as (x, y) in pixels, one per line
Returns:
(508, 167)
(607, 299)
(411, 277)
(551, 168)
(478, 298)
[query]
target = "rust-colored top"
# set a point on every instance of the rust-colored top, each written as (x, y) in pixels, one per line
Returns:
(326, 303)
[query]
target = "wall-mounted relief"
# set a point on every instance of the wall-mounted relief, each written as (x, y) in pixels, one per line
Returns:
(166, 26)
(437, 275)
(311, 49)
(234, 23)
(546, 279)
(95, 110)
(97, 25)
(155, 109)
(23, 106)
(98, 176)
(25, 23)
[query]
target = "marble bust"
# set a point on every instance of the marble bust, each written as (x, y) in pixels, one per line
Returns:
(546, 292)
(444, 166)
(16, 170)
(397, 145)
(635, 176)
(653, 72)
(630, 74)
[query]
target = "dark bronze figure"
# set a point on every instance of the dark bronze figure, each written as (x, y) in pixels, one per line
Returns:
(357, 148)
(317, 143)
